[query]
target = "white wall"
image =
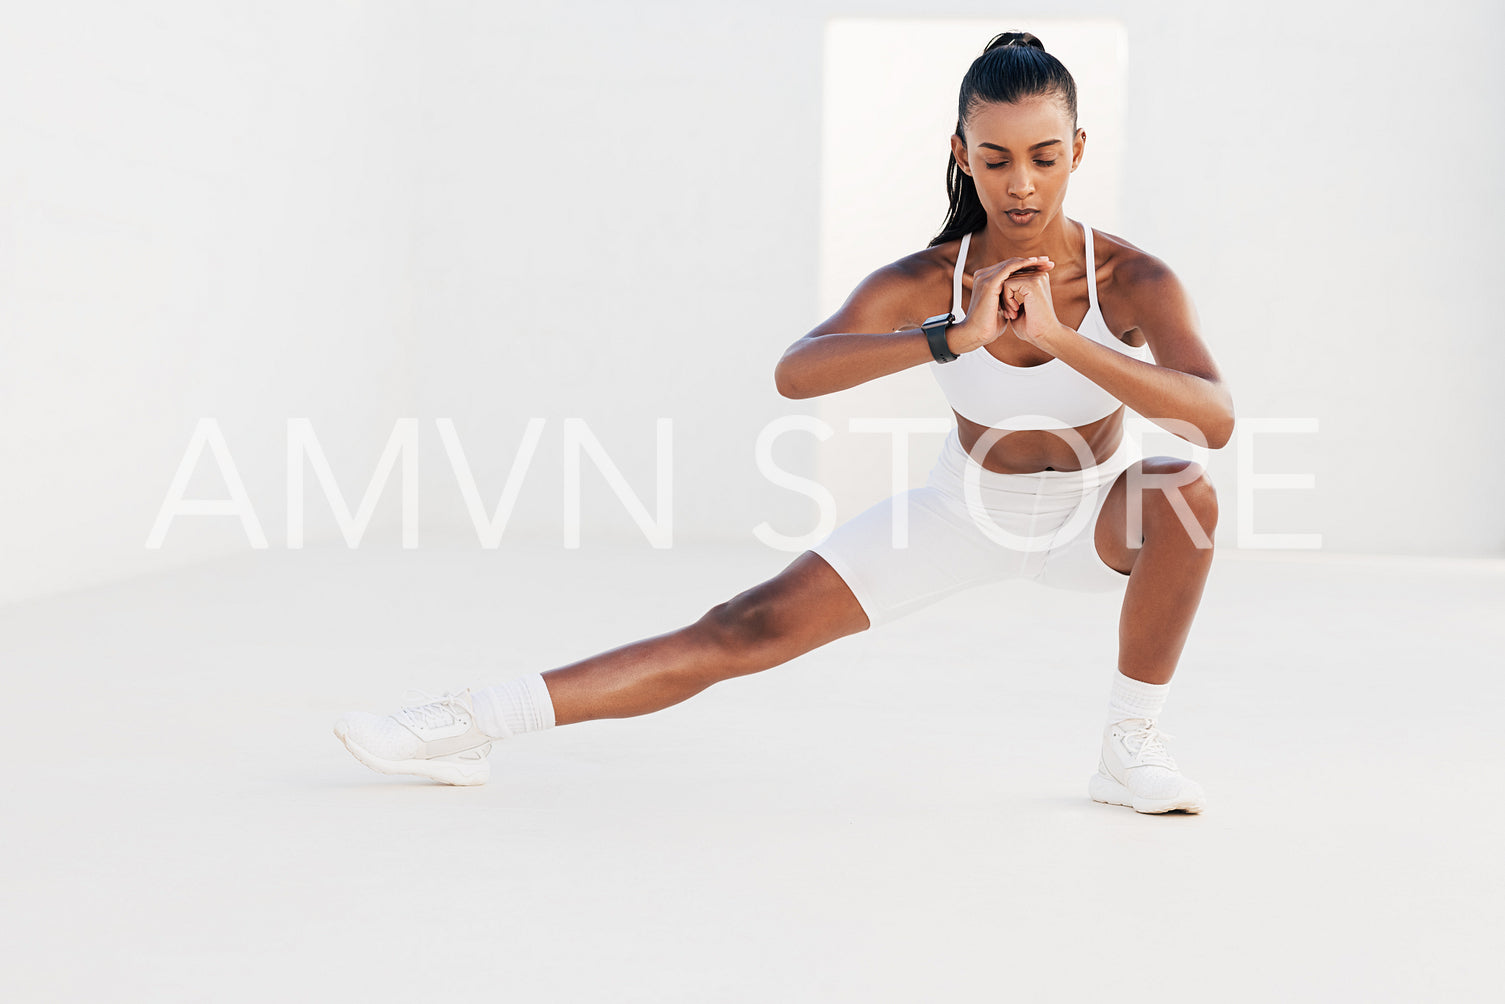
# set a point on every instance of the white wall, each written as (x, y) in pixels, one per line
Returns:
(359, 212)
(1270, 176)
(620, 213)
(203, 212)
(1259, 171)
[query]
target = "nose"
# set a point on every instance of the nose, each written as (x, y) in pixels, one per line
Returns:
(1020, 186)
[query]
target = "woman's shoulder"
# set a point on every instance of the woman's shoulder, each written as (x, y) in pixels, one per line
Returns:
(1127, 272)
(903, 292)
(1136, 289)
(922, 267)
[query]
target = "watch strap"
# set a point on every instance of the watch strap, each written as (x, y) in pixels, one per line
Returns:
(935, 333)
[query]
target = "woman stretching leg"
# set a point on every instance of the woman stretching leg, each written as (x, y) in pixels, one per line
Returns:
(1036, 481)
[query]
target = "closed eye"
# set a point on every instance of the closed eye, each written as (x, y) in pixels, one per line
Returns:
(1042, 163)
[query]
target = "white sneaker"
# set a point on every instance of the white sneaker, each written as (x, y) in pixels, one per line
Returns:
(439, 740)
(1136, 770)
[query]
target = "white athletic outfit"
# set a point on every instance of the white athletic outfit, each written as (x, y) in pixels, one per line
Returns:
(968, 525)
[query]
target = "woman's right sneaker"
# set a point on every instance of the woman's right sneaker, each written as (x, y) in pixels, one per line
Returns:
(438, 740)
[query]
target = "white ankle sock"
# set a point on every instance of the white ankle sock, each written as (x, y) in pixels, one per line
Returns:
(512, 708)
(1135, 699)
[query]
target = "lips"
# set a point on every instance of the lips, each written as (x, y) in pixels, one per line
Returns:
(1020, 214)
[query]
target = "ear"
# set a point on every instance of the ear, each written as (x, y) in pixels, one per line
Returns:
(959, 152)
(1078, 146)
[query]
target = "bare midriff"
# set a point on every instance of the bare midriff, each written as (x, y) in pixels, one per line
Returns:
(1029, 451)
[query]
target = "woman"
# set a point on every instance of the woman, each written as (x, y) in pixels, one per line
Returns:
(1037, 479)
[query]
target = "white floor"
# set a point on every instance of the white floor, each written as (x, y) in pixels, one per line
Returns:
(900, 816)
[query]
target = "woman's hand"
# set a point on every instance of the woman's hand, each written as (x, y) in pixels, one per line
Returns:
(1027, 302)
(999, 292)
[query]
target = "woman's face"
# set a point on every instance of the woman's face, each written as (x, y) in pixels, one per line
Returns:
(1021, 155)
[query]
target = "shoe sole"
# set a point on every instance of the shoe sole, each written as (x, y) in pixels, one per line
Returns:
(1103, 788)
(445, 771)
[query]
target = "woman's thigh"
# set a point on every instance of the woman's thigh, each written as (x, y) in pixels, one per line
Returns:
(914, 549)
(1118, 536)
(1075, 561)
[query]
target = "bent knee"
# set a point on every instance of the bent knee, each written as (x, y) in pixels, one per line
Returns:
(1201, 495)
(1185, 486)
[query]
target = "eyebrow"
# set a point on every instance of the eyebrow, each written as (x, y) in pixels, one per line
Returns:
(995, 146)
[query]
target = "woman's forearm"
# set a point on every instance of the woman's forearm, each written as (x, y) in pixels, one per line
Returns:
(825, 364)
(1156, 392)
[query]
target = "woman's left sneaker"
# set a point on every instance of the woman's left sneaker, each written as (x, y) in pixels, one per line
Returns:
(1138, 771)
(438, 740)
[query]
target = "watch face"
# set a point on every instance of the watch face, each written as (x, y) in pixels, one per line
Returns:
(937, 319)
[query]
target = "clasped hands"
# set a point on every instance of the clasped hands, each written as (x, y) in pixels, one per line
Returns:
(1020, 288)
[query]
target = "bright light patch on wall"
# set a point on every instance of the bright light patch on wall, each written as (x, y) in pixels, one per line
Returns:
(890, 93)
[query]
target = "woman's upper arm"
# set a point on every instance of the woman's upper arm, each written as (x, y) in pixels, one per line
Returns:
(1164, 314)
(880, 304)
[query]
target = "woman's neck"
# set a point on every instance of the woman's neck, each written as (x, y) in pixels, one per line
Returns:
(1000, 240)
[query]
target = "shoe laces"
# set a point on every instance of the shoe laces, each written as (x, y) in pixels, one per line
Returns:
(1147, 744)
(432, 712)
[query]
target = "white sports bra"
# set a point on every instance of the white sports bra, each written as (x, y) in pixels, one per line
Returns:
(1052, 395)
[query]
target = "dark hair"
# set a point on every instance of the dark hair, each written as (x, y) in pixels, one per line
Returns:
(1014, 66)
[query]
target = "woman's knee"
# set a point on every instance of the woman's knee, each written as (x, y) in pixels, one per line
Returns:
(1202, 497)
(802, 608)
(743, 622)
(1185, 491)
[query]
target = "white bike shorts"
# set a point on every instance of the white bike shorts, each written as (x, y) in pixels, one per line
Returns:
(969, 526)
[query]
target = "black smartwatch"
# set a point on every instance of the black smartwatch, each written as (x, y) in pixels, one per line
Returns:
(935, 333)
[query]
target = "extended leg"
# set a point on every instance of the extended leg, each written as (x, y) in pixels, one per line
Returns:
(802, 608)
